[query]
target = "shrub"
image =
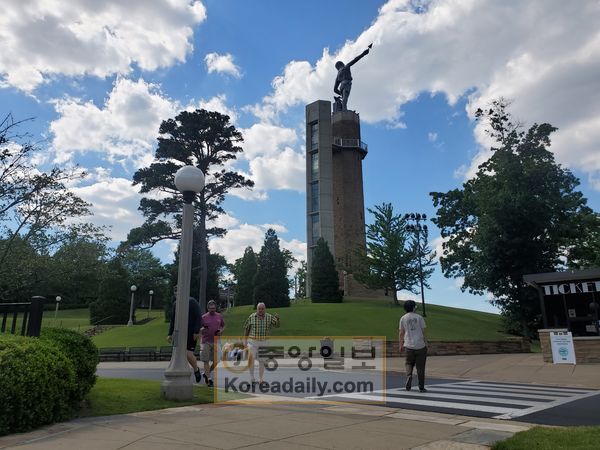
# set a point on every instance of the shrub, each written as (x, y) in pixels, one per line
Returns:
(37, 384)
(82, 352)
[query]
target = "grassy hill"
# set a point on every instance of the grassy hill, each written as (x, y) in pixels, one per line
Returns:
(354, 317)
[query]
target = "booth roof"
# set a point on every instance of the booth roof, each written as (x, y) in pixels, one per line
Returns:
(569, 275)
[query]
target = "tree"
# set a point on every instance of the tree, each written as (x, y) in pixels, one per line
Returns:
(216, 269)
(207, 140)
(392, 258)
(76, 270)
(23, 273)
(112, 305)
(35, 206)
(147, 273)
(584, 251)
(516, 216)
(244, 271)
(324, 285)
(301, 280)
(270, 283)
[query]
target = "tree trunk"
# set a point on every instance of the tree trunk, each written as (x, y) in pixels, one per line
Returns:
(202, 269)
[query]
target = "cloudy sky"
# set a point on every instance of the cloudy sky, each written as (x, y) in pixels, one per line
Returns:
(99, 76)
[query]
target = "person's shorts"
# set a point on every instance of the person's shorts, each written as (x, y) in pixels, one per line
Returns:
(254, 347)
(191, 343)
(207, 352)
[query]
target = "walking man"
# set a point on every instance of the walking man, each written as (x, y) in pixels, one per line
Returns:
(412, 337)
(193, 332)
(212, 327)
(256, 330)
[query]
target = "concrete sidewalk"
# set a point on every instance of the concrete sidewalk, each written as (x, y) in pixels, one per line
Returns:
(513, 368)
(269, 427)
(309, 425)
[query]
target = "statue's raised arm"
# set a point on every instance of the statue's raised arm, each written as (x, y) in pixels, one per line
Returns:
(343, 81)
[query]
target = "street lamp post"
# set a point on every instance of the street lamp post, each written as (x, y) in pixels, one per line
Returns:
(150, 306)
(58, 299)
(133, 289)
(417, 228)
(177, 385)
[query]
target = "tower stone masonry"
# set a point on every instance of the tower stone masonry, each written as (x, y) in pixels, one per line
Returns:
(334, 191)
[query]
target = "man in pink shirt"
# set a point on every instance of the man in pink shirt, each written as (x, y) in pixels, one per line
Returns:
(212, 326)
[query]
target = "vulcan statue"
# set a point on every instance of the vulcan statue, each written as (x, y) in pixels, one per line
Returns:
(343, 82)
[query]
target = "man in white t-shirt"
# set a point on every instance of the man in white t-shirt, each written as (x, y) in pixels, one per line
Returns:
(412, 337)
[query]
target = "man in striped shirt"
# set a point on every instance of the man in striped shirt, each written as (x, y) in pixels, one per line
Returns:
(256, 330)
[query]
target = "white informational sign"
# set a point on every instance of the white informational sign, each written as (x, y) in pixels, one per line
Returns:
(561, 343)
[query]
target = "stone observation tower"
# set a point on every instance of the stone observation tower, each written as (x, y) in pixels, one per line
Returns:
(335, 205)
(334, 190)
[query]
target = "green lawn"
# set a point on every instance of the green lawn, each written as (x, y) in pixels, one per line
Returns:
(75, 319)
(538, 438)
(153, 333)
(120, 396)
(354, 317)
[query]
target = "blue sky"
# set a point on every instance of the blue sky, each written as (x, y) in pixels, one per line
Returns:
(98, 77)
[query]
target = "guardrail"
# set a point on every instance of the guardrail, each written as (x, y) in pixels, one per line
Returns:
(350, 143)
(29, 314)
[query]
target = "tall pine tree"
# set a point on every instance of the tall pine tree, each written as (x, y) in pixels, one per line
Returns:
(324, 284)
(271, 284)
(207, 140)
(245, 271)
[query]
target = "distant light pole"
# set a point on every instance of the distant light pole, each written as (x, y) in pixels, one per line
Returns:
(150, 307)
(133, 289)
(417, 228)
(177, 385)
(58, 299)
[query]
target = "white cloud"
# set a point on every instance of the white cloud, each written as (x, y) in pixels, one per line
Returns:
(432, 137)
(267, 139)
(543, 55)
(115, 202)
(41, 39)
(233, 244)
(124, 128)
(217, 103)
(222, 64)
(285, 170)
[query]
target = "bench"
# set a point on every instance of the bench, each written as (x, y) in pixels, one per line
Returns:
(141, 353)
(112, 353)
(164, 353)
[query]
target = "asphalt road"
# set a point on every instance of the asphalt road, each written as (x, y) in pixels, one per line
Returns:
(549, 405)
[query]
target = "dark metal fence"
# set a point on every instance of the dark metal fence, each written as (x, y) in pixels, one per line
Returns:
(22, 318)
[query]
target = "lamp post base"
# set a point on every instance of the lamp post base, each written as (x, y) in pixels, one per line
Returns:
(177, 385)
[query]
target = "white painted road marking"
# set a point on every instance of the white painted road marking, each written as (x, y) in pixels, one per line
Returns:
(497, 400)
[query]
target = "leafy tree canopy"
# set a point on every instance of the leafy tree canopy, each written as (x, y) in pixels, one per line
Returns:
(518, 215)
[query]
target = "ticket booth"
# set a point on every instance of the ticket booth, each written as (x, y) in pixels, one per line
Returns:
(570, 301)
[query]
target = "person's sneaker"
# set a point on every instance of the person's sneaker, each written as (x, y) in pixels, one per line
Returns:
(198, 375)
(210, 383)
(205, 378)
(408, 384)
(423, 390)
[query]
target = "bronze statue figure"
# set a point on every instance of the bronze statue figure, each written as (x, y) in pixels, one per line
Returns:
(343, 82)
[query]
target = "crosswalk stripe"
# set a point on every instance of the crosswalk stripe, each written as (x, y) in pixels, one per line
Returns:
(528, 387)
(562, 401)
(424, 402)
(440, 388)
(461, 397)
(524, 391)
